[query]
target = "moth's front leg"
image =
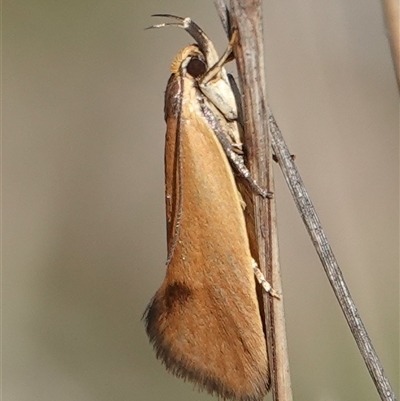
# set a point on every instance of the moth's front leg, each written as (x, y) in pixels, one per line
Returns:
(216, 87)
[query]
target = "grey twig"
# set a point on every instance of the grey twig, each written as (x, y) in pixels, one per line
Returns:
(325, 253)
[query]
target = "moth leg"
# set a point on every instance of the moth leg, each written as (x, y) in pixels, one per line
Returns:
(238, 164)
(238, 99)
(221, 129)
(216, 69)
(263, 282)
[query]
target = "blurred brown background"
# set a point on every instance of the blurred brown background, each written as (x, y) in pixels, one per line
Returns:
(83, 217)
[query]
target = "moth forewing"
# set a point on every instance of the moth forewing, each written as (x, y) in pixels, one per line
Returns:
(204, 321)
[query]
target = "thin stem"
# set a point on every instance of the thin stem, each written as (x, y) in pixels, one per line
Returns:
(246, 16)
(325, 253)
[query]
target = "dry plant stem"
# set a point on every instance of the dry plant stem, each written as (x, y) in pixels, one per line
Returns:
(391, 10)
(246, 16)
(329, 262)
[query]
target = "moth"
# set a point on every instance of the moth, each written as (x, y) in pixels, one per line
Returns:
(205, 320)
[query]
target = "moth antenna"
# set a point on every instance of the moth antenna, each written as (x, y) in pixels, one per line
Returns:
(204, 42)
(169, 16)
(164, 25)
(185, 22)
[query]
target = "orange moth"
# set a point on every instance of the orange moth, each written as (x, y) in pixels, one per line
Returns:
(205, 320)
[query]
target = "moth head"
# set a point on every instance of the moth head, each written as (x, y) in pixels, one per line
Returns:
(190, 60)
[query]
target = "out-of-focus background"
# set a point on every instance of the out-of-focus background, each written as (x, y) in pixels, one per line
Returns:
(83, 191)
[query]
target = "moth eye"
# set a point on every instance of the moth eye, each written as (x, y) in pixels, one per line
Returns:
(196, 67)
